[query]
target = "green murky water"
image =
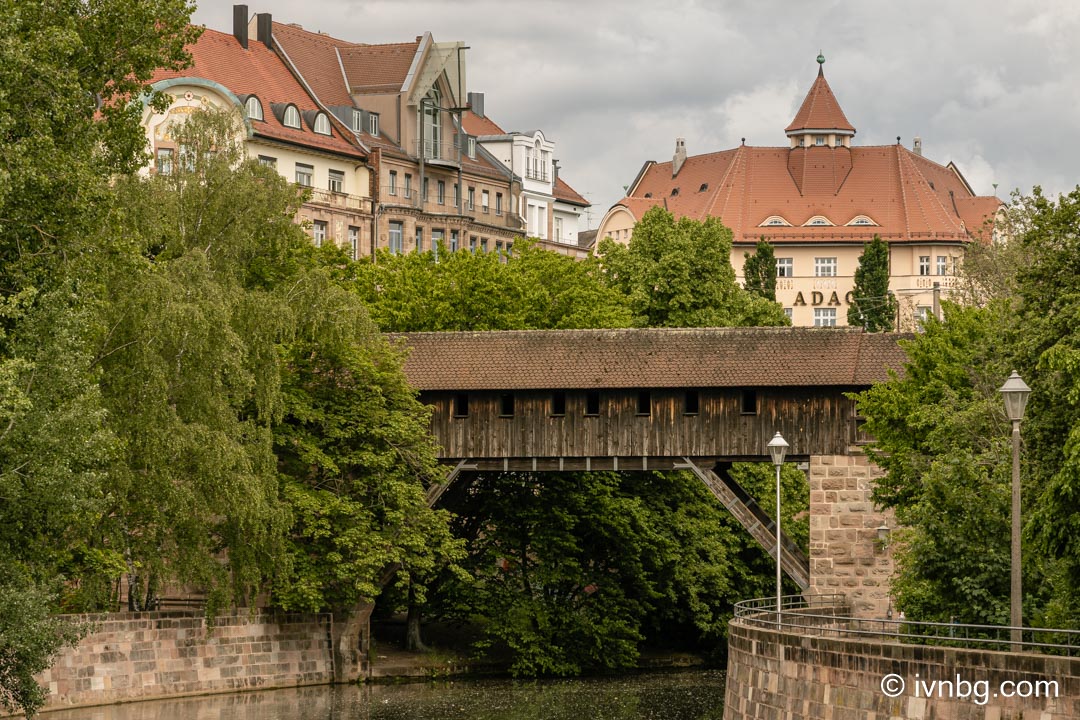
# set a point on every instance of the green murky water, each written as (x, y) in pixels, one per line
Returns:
(685, 695)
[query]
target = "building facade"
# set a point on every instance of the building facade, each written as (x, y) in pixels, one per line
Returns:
(818, 201)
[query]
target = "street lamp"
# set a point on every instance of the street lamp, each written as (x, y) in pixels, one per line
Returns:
(777, 450)
(1015, 392)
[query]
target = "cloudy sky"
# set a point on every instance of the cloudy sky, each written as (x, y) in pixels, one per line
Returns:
(992, 85)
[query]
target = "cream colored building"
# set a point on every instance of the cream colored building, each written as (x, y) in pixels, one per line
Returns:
(818, 201)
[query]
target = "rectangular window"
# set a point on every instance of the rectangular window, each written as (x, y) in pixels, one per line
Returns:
(922, 314)
(942, 264)
(393, 182)
(373, 123)
(337, 181)
(644, 402)
(472, 147)
(557, 234)
(425, 189)
(397, 236)
(455, 241)
(785, 267)
(472, 243)
(419, 239)
(472, 199)
(442, 192)
(319, 228)
(558, 403)
(461, 405)
(484, 200)
(270, 162)
(457, 195)
(819, 139)
(924, 264)
(506, 405)
(509, 249)
(354, 241)
(787, 312)
(691, 403)
(483, 245)
(748, 402)
(499, 247)
(357, 121)
(824, 267)
(498, 203)
(305, 174)
(824, 317)
(164, 161)
(592, 402)
(438, 236)
(408, 185)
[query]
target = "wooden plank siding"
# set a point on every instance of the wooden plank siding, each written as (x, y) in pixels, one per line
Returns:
(817, 421)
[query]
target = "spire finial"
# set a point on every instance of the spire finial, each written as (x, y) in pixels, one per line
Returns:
(820, 58)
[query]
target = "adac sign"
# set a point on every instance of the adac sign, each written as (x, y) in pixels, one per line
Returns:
(818, 298)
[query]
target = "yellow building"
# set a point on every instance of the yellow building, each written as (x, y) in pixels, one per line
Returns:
(818, 201)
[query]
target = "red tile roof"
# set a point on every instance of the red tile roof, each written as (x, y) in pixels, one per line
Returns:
(820, 110)
(378, 68)
(562, 191)
(909, 197)
(219, 57)
(476, 125)
(650, 358)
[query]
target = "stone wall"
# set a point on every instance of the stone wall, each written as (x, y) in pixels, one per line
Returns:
(133, 656)
(845, 553)
(774, 674)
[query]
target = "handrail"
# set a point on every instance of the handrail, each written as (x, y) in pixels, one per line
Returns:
(762, 612)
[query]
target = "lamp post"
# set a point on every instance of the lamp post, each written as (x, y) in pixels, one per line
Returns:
(777, 450)
(1015, 392)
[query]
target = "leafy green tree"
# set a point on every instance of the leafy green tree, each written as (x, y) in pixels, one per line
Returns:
(873, 306)
(677, 273)
(759, 271)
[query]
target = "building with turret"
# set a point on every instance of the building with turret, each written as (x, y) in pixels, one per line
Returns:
(818, 201)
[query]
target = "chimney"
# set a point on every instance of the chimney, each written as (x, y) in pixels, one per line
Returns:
(680, 156)
(476, 103)
(554, 172)
(240, 24)
(264, 27)
(916, 146)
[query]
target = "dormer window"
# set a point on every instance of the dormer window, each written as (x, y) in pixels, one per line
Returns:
(373, 124)
(674, 192)
(819, 139)
(861, 220)
(358, 121)
(322, 124)
(818, 221)
(292, 117)
(704, 187)
(775, 221)
(254, 108)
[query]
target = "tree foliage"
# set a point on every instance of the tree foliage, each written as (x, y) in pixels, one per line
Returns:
(759, 271)
(873, 306)
(677, 273)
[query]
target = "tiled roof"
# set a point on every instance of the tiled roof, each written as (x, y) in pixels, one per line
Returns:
(378, 68)
(820, 110)
(219, 57)
(316, 56)
(565, 193)
(476, 125)
(650, 358)
(909, 197)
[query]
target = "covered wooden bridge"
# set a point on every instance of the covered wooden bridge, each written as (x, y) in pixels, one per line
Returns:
(648, 399)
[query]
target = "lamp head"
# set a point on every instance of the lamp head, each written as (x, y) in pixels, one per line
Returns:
(1016, 393)
(777, 449)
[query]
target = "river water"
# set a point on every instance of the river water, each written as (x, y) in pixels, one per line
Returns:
(683, 695)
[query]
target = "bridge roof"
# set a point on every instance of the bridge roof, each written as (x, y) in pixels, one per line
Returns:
(650, 358)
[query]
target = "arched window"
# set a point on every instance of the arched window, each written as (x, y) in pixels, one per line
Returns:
(861, 220)
(818, 221)
(292, 117)
(322, 124)
(775, 221)
(254, 108)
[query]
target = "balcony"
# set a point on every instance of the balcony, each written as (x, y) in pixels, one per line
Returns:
(443, 154)
(539, 174)
(340, 201)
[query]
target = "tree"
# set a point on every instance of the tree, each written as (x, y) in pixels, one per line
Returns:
(759, 271)
(873, 306)
(677, 273)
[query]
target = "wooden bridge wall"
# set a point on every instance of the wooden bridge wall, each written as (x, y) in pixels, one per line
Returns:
(813, 420)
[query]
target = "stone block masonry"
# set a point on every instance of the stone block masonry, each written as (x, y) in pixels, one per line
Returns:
(775, 675)
(846, 555)
(135, 656)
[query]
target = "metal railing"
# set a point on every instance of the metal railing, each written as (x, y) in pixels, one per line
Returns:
(438, 151)
(827, 615)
